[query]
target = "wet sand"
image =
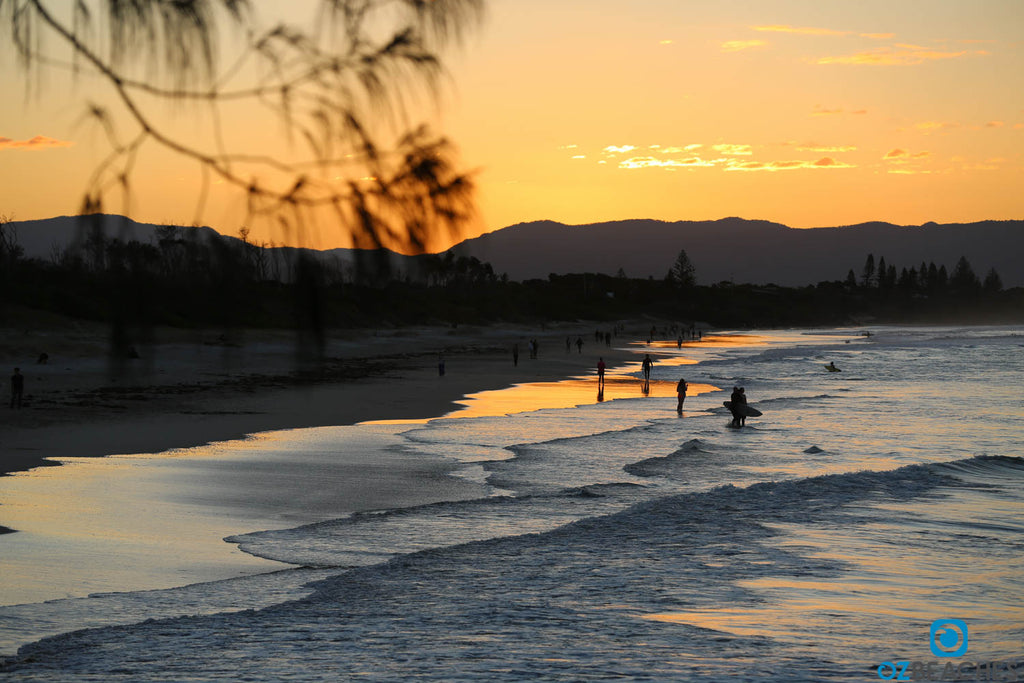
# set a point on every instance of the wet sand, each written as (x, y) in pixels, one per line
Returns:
(196, 387)
(165, 512)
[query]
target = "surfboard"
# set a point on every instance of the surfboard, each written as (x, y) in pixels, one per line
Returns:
(750, 412)
(832, 369)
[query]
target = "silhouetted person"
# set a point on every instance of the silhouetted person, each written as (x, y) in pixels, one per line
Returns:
(515, 355)
(17, 388)
(43, 358)
(440, 365)
(736, 402)
(579, 344)
(681, 393)
(743, 407)
(600, 374)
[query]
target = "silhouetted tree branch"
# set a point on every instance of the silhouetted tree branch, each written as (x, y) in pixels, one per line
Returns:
(344, 89)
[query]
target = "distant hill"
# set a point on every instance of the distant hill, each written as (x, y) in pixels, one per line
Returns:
(730, 249)
(746, 251)
(45, 238)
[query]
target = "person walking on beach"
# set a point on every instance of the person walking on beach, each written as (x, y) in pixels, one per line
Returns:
(515, 355)
(646, 366)
(681, 393)
(17, 388)
(600, 374)
(579, 344)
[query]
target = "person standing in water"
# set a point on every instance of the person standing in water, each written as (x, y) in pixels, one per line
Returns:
(600, 374)
(736, 402)
(681, 393)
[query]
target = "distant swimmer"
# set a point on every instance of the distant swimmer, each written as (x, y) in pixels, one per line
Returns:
(681, 393)
(831, 367)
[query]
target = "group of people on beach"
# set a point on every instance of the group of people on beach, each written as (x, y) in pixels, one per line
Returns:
(738, 399)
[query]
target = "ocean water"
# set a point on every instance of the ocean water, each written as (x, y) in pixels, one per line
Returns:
(823, 541)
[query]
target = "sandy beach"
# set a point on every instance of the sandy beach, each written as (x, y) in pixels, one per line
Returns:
(195, 387)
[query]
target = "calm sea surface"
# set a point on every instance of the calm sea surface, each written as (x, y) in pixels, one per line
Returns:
(618, 540)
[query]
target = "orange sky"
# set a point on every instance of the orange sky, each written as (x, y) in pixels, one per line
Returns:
(803, 112)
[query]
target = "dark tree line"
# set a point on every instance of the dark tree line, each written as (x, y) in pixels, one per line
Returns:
(925, 280)
(193, 279)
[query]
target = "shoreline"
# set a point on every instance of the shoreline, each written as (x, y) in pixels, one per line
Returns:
(207, 412)
(187, 392)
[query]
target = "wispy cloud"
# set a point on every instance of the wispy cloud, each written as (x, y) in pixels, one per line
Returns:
(933, 126)
(802, 30)
(39, 142)
(898, 55)
(733, 150)
(821, 149)
(739, 45)
(822, 163)
(822, 111)
(817, 31)
(654, 162)
(678, 157)
(902, 154)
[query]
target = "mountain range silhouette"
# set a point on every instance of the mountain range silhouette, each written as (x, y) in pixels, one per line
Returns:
(729, 249)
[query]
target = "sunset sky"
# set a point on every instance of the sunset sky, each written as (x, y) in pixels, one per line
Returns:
(805, 112)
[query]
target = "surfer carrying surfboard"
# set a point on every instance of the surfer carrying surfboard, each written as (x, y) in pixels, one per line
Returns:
(737, 400)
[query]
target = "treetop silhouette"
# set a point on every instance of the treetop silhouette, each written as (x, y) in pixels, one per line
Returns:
(344, 88)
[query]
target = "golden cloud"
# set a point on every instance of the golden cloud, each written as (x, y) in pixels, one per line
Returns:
(738, 45)
(824, 162)
(734, 150)
(901, 55)
(901, 156)
(932, 126)
(822, 111)
(802, 30)
(826, 150)
(816, 31)
(671, 164)
(36, 143)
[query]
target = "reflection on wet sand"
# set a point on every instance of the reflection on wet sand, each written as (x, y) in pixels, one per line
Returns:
(567, 394)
